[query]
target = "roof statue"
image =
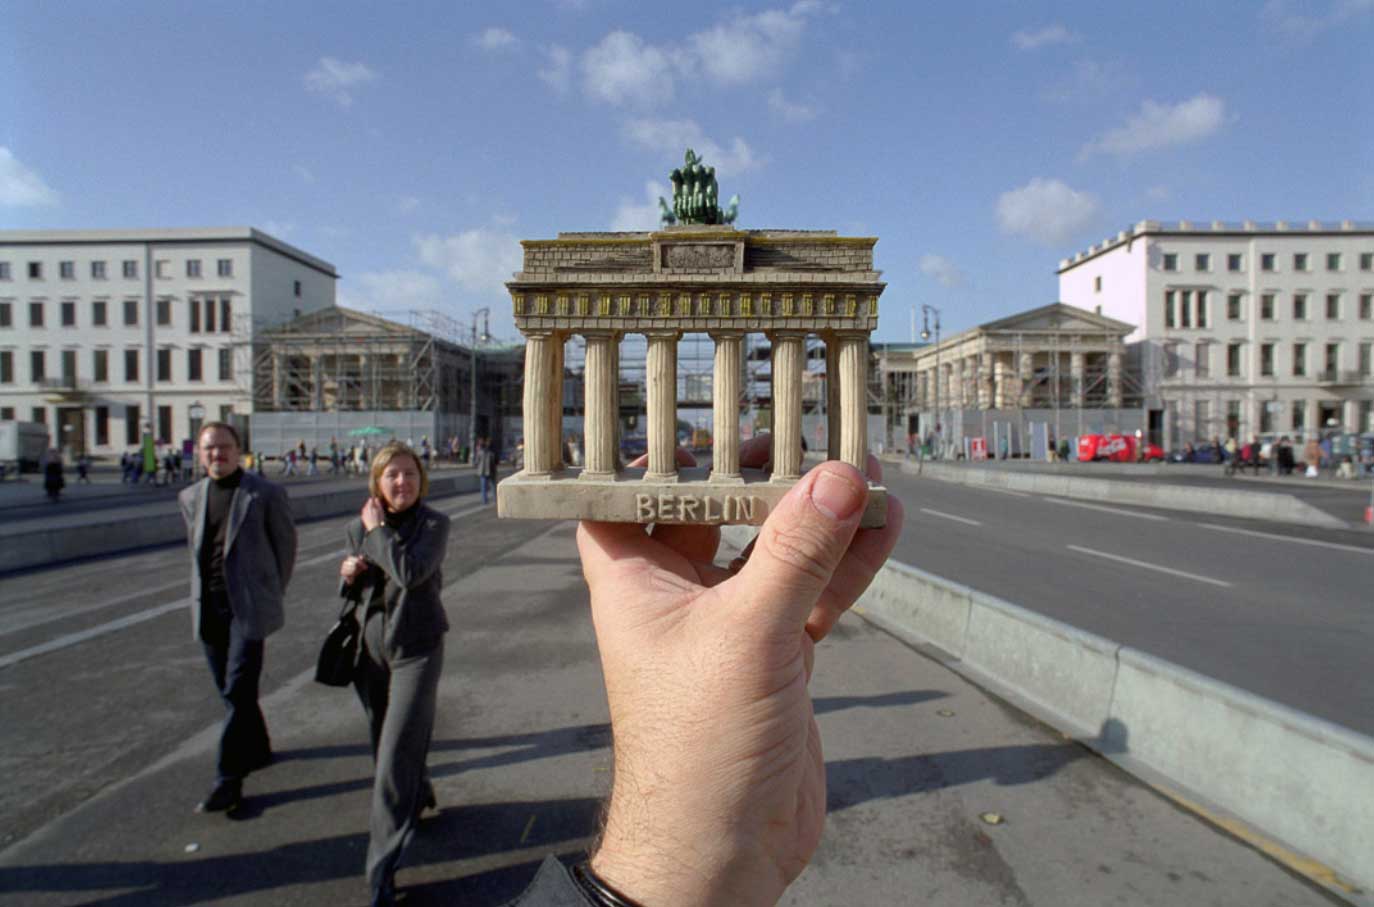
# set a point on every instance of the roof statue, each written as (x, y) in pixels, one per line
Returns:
(696, 196)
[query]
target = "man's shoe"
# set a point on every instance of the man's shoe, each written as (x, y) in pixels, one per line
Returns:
(225, 797)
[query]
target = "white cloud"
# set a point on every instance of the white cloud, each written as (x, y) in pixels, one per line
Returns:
(622, 69)
(677, 135)
(746, 48)
(557, 68)
(407, 204)
(942, 270)
(388, 290)
(1046, 211)
(334, 78)
(789, 111)
(1043, 37)
(21, 186)
(479, 260)
(304, 172)
(1089, 80)
(279, 228)
(1162, 125)
(631, 217)
(1302, 27)
(1160, 193)
(496, 39)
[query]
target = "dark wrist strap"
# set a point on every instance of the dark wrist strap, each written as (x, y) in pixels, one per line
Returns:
(594, 887)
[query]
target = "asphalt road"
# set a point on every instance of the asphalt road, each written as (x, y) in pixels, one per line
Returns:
(109, 740)
(1281, 611)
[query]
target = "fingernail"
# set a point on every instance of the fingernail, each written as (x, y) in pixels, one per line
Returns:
(836, 496)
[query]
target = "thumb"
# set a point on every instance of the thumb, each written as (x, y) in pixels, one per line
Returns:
(802, 543)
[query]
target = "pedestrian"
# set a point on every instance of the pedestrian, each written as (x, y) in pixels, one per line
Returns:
(1312, 456)
(397, 547)
(1285, 456)
(425, 451)
(83, 468)
(257, 463)
(484, 463)
(243, 546)
(53, 482)
(314, 468)
(289, 462)
(333, 456)
(150, 461)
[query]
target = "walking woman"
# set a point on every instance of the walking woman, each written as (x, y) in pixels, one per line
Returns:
(397, 546)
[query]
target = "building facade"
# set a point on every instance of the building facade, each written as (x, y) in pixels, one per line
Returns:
(1242, 329)
(105, 334)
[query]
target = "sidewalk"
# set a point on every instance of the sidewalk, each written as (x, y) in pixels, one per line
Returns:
(918, 760)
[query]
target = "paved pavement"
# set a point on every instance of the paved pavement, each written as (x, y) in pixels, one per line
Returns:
(109, 741)
(1281, 611)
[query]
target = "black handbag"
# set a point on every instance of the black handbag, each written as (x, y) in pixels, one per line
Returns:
(338, 661)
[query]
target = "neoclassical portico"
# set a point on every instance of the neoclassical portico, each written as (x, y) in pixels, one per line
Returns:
(719, 281)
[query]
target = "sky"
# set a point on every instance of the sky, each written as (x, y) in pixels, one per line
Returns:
(413, 145)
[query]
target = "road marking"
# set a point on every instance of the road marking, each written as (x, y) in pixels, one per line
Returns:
(1288, 538)
(1015, 494)
(48, 617)
(525, 835)
(455, 514)
(72, 639)
(950, 516)
(1135, 563)
(328, 555)
(1117, 510)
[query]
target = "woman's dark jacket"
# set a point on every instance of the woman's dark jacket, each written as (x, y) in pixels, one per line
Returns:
(404, 578)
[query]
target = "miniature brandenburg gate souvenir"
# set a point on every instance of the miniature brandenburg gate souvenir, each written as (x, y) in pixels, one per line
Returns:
(698, 274)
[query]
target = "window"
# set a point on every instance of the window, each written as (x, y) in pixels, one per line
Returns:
(1267, 360)
(1366, 415)
(1366, 264)
(1331, 361)
(6, 413)
(224, 267)
(100, 365)
(6, 367)
(225, 311)
(1235, 262)
(1168, 308)
(1299, 261)
(164, 364)
(102, 426)
(164, 424)
(1233, 360)
(1266, 419)
(5, 270)
(1097, 284)
(1202, 356)
(35, 314)
(1267, 307)
(39, 414)
(1299, 306)
(1202, 262)
(1202, 308)
(98, 316)
(131, 269)
(35, 270)
(1333, 306)
(193, 267)
(209, 316)
(1333, 261)
(66, 270)
(97, 270)
(130, 313)
(298, 288)
(131, 365)
(1299, 359)
(1232, 418)
(1266, 261)
(1299, 414)
(1170, 360)
(1233, 307)
(1185, 309)
(1366, 309)
(6, 315)
(226, 363)
(193, 306)
(131, 433)
(1170, 261)
(162, 267)
(163, 307)
(68, 310)
(69, 366)
(193, 364)
(38, 366)
(1366, 359)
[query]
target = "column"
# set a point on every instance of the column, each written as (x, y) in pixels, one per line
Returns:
(854, 400)
(599, 424)
(554, 405)
(985, 386)
(725, 388)
(1000, 399)
(832, 398)
(1077, 373)
(538, 377)
(1027, 373)
(961, 376)
(789, 350)
(615, 393)
(1114, 380)
(661, 378)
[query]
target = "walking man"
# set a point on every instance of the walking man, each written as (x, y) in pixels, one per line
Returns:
(484, 462)
(243, 546)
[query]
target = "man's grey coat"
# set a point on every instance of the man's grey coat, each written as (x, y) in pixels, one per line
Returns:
(260, 551)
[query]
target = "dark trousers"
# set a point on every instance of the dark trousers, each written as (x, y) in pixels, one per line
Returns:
(487, 486)
(399, 697)
(236, 665)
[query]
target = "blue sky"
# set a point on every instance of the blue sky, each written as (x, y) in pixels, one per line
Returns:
(414, 144)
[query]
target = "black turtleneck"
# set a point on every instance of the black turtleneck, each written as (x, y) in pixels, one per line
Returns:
(219, 497)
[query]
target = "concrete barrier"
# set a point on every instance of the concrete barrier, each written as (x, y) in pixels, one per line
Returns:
(1252, 505)
(162, 525)
(1299, 780)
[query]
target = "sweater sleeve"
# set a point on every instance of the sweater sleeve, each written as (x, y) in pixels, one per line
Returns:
(408, 565)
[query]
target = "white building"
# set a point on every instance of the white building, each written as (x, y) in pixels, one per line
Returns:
(107, 333)
(1242, 328)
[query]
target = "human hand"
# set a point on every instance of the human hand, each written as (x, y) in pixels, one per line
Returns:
(352, 567)
(719, 788)
(372, 514)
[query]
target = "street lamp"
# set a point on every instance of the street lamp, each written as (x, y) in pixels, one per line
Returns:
(926, 312)
(482, 313)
